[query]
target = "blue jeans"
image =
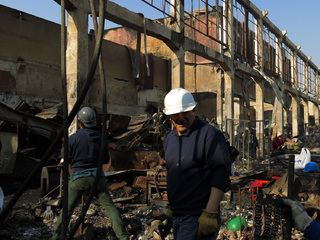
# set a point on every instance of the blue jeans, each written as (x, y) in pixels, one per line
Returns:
(185, 227)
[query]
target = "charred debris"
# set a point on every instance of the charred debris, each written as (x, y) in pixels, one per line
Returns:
(136, 176)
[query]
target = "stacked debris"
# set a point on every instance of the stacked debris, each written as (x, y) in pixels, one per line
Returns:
(136, 178)
(34, 218)
(26, 134)
(250, 210)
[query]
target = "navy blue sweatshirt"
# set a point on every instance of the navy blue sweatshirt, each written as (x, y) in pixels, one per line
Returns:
(84, 149)
(313, 231)
(196, 161)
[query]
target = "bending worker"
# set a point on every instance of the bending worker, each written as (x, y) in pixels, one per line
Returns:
(302, 221)
(198, 168)
(84, 151)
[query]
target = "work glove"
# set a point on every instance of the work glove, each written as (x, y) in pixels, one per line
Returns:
(300, 217)
(208, 224)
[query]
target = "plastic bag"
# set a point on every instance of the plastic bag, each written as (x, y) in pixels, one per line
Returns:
(300, 160)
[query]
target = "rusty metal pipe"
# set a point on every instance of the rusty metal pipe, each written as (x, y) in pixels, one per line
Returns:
(65, 171)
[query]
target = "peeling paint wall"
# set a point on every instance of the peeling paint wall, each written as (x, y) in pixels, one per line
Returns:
(200, 75)
(30, 68)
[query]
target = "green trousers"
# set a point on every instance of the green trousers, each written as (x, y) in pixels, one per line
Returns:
(75, 191)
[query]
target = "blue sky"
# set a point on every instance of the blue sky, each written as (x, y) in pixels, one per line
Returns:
(300, 18)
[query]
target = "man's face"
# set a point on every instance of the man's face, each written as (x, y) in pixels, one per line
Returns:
(182, 121)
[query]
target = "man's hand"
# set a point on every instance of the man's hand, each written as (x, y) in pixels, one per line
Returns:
(208, 224)
(300, 217)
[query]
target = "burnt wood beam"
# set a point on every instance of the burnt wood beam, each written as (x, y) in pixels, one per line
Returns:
(41, 126)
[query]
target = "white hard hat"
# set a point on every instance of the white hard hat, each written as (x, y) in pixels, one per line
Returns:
(178, 100)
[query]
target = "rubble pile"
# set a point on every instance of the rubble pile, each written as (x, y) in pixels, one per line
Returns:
(29, 219)
(136, 177)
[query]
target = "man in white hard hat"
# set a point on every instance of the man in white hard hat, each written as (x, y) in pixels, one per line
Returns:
(198, 167)
(84, 151)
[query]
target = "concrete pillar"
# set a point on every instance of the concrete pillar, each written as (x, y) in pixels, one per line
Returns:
(219, 96)
(228, 93)
(295, 106)
(306, 115)
(178, 56)
(228, 9)
(279, 57)
(305, 77)
(229, 100)
(316, 114)
(278, 117)
(260, 115)
(311, 108)
(316, 106)
(316, 84)
(177, 67)
(282, 115)
(285, 108)
(285, 116)
(242, 108)
(77, 56)
(295, 113)
(229, 75)
(317, 96)
(295, 68)
(259, 46)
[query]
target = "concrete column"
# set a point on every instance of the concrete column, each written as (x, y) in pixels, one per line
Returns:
(242, 108)
(295, 66)
(311, 108)
(293, 69)
(259, 32)
(306, 115)
(316, 84)
(178, 56)
(285, 109)
(316, 106)
(285, 116)
(279, 63)
(316, 114)
(177, 67)
(77, 57)
(229, 75)
(229, 100)
(219, 96)
(260, 115)
(317, 96)
(228, 9)
(295, 113)
(260, 84)
(305, 77)
(279, 117)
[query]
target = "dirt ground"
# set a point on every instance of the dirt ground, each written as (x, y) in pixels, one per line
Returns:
(29, 219)
(25, 221)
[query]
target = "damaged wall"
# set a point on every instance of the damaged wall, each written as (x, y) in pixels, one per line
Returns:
(200, 74)
(30, 68)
